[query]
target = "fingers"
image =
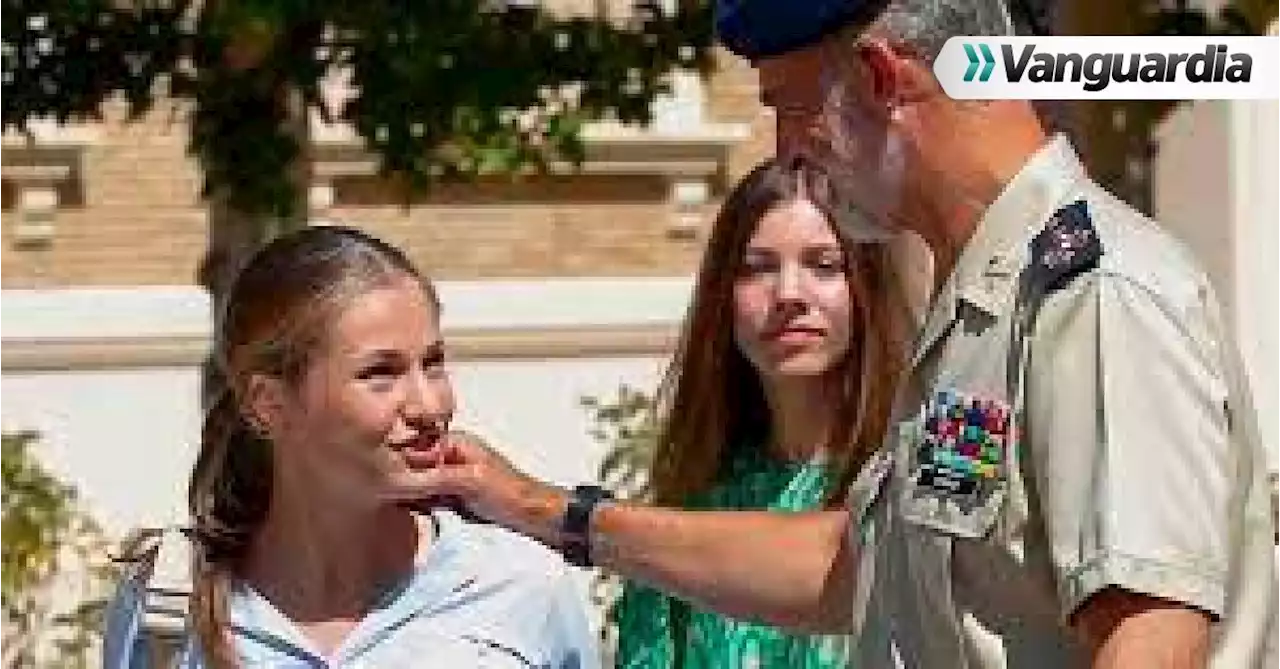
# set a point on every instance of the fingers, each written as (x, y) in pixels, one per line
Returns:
(446, 469)
(431, 503)
(423, 459)
(462, 446)
(459, 448)
(423, 484)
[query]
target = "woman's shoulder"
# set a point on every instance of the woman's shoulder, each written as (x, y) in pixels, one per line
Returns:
(518, 593)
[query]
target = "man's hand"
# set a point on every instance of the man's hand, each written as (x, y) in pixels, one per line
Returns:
(463, 469)
(727, 561)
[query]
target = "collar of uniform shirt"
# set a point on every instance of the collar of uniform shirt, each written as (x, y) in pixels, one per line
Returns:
(993, 256)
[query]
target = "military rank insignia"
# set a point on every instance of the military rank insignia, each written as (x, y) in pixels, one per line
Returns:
(960, 446)
(1068, 246)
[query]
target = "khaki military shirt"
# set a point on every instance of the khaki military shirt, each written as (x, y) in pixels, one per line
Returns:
(1051, 443)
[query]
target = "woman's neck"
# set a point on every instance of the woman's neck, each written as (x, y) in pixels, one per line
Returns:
(319, 562)
(802, 417)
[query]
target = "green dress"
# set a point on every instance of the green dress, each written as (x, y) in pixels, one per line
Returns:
(656, 631)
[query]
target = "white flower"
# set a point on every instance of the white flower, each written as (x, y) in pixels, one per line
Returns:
(571, 92)
(526, 120)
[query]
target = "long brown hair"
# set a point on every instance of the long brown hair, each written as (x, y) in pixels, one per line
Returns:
(275, 315)
(711, 403)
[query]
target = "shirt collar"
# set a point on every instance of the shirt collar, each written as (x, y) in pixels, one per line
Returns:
(993, 257)
(446, 567)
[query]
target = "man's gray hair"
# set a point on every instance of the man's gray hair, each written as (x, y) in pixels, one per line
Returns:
(925, 25)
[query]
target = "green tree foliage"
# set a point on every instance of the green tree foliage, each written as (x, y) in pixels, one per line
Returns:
(50, 620)
(442, 88)
(627, 427)
(625, 424)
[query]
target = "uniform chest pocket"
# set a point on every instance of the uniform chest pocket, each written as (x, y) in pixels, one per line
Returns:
(957, 450)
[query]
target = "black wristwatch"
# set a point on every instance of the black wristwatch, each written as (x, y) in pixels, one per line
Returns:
(576, 527)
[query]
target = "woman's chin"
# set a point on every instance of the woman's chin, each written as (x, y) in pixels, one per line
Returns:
(800, 366)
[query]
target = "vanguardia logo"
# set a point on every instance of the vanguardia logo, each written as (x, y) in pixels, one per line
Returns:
(1097, 70)
(1109, 67)
(988, 62)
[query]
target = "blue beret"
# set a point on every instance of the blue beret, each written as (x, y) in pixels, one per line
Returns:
(763, 28)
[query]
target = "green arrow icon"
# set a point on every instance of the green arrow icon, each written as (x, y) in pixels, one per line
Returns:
(988, 62)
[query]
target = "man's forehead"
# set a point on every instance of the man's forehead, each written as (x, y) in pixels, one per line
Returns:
(793, 73)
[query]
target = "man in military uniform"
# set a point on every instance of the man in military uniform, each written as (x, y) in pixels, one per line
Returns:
(1074, 475)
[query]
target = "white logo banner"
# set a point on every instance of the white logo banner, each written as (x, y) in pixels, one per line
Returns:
(1110, 68)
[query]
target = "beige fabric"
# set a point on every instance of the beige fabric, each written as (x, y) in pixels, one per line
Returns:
(1136, 463)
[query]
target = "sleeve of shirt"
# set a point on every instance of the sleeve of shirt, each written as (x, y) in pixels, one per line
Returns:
(1127, 435)
(864, 499)
(643, 617)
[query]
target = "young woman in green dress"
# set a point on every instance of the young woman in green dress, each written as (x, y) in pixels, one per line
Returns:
(779, 391)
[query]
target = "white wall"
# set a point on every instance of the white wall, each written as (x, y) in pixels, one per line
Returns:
(125, 439)
(531, 408)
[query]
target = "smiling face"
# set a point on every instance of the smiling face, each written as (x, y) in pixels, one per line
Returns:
(375, 387)
(791, 300)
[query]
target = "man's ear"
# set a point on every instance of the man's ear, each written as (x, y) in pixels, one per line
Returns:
(895, 76)
(263, 405)
(880, 63)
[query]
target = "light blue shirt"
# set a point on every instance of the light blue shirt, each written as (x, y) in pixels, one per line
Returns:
(483, 597)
